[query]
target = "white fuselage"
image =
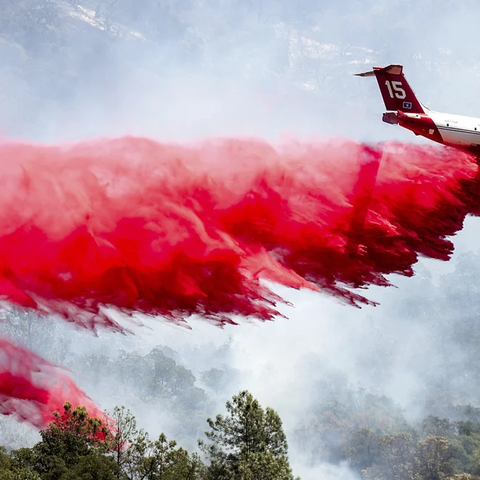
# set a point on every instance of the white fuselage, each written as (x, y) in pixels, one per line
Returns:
(456, 130)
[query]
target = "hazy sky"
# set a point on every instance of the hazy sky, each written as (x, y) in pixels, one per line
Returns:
(279, 362)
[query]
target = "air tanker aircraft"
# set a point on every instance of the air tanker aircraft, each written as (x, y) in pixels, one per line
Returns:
(405, 110)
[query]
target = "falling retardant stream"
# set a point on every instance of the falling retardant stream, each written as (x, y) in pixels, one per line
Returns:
(134, 225)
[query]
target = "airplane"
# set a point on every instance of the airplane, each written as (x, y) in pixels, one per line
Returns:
(404, 109)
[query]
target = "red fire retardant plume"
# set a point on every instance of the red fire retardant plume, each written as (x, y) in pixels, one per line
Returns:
(180, 229)
(175, 230)
(33, 389)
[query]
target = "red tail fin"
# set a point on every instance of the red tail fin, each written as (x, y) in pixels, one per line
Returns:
(396, 92)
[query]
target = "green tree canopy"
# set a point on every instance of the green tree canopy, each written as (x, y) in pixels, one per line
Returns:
(247, 443)
(140, 458)
(72, 447)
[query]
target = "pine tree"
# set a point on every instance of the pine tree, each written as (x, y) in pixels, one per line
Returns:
(247, 444)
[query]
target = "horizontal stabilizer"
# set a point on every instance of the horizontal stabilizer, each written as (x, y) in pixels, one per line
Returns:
(371, 73)
(391, 69)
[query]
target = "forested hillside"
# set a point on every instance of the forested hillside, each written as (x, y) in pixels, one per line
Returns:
(248, 442)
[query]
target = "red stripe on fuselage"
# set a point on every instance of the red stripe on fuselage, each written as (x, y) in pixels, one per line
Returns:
(420, 124)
